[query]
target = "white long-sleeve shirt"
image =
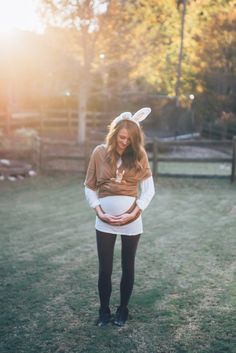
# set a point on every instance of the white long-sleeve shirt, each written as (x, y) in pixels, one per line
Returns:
(119, 204)
(147, 193)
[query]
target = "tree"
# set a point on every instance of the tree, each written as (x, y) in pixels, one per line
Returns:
(143, 37)
(80, 19)
(179, 73)
(139, 40)
(214, 78)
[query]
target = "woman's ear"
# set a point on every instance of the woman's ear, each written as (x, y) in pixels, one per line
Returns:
(141, 114)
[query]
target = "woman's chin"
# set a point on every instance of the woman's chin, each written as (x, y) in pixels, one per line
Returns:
(121, 149)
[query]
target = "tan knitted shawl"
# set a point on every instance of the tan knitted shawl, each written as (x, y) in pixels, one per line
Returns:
(102, 178)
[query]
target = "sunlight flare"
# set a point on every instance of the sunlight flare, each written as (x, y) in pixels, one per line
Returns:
(19, 14)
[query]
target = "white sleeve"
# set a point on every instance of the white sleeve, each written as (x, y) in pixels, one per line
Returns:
(91, 197)
(147, 193)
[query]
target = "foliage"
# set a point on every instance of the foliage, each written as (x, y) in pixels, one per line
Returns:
(123, 49)
(142, 44)
(80, 21)
(142, 41)
(216, 61)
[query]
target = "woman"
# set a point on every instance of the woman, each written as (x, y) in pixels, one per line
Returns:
(111, 187)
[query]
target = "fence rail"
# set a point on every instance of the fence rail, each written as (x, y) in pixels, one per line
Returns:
(80, 154)
(51, 119)
(155, 156)
(46, 151)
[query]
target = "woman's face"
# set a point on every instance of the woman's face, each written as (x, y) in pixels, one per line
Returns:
(122, 141)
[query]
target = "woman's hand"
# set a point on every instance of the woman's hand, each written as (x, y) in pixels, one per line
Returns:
(118, 220)
(122, 219)
(127, 217)
(105, 217)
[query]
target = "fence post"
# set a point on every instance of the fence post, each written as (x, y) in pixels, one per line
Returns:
(233, 159)
(34, 157)
(86, 155)
(88, 147)
(37, 152)
(154, 158)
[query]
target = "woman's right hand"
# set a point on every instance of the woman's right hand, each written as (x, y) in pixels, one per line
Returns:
(107, 218)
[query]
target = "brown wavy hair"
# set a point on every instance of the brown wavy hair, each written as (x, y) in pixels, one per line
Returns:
(134, 152)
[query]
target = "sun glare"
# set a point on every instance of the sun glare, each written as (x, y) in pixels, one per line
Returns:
(19, 14)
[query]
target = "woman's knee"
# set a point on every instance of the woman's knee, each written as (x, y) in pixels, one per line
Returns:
(105, 273)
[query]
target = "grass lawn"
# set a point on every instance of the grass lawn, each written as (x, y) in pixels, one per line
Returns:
(184, 298)
(217, 169)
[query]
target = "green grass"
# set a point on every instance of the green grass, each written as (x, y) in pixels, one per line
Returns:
(219, 169)
(184, 294)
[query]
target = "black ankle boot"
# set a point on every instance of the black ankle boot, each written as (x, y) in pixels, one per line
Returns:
(104, 318)
(121, 316)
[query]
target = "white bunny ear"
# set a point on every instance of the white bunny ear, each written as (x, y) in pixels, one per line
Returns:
(141, 114)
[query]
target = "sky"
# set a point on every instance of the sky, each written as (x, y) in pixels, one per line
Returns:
(20, 14)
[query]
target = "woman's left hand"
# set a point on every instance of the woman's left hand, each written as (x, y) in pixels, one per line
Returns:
(123, 219)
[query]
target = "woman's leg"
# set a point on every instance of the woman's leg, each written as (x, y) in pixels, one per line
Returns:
(105, 248)
(129, 247)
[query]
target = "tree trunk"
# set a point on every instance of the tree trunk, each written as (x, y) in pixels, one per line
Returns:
(82, 111)
(179, 73)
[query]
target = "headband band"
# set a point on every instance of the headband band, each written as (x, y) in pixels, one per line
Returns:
(139, 116)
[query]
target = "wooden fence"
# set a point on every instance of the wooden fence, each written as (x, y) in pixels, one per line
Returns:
(51, 153)
(46, 120)
(49, 150)
(156, 156)
(59, 155)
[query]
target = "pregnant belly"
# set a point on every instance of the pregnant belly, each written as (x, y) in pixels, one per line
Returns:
(116, 205)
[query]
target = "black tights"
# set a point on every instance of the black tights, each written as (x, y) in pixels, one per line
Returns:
(105, 246)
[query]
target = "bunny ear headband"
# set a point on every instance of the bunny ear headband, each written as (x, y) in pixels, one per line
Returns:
(139, 116)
